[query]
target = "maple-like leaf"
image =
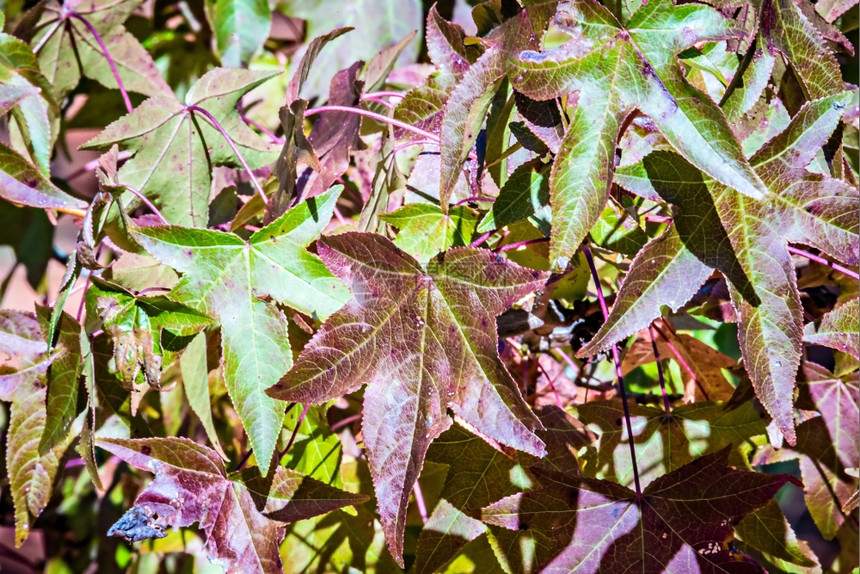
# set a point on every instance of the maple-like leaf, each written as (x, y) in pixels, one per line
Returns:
(839, 329)
(479, 474)
(667, 441)
(424, 341)
(67, 49)
(23, 183)
(31, 473)
(680, 523)
(241, 27)
(617, 69)
(701, 364)
(232, 279)
(26, 92)
(470, 99)
(135, 326)
(175, 145)
(242, 514)
(426, 231)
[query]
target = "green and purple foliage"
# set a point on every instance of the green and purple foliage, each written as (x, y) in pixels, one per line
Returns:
(504, 286)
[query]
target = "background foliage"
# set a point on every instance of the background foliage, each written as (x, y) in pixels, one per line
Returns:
(537, 286)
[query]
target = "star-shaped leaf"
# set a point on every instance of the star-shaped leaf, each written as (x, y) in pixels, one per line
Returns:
(243, 514)
(680, 523)
(424, 341)
(175, 145)
(135, 325)
(617, 69)
(67, 49)
(839, 329)
(25, 91)
(233, 280)
(426, 231)
(31, 474)
(667, 441)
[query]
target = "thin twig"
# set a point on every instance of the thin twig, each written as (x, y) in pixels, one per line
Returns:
(481, 239)
(551, 383)
(823, 261)
(148, 203)
(215, 124)
(681, 361)
(375, 116)
(518, 244)
(348, 420)
(295, 431)
(419, 501)
(262, 128)
(107, 56)
(382, 94)
(618, 374)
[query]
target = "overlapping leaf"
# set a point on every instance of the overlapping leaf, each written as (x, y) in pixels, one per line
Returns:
(241, 27)
(425, 231)
(617, 69)
(838, 329)
(25, 91)
(67, 48)
(243, 514)
(239, 283)
(680, 523)
(175, 144)
(667, 441)
(424, 341)
(31, 473)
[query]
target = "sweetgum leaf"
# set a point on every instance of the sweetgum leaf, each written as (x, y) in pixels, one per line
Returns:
(666, 442)
(525, 193)
(425, 231)
(232, 280)
(303, 69)
(27, 93)
(838, 401)
(31, 474)
(618, 69)
(23, 183)
(175, 147)
(242, 515)
(479, 475)
(447, 50)
(135, 325)
(195, 382)
(812, 208)
(839, 329)
(66, 48)
(471, 98)
(786, 27)
(680, 523)
(424, 341)
(241, 27)
(768, 531)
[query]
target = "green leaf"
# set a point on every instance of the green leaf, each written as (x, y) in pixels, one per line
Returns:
(316, 451)
(26, 91)
(424, 341)
(22, 183)
(768, 531)
(242, 514)
(425, 231)
(232, 280)
(524, 194)
(61, 404)
(241, 27)
(142, 330)
(195, 381)
(31, 474)
(664, 272)
(175, 147)
(66, 48)
(617, 69)
(839, 329)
